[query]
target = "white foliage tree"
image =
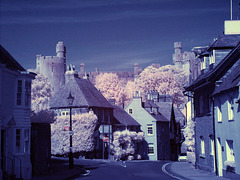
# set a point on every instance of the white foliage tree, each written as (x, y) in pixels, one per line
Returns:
(166, 80)
(110, 86)
(40, 93)
(83, 126)
(189, 134)
(123, 144)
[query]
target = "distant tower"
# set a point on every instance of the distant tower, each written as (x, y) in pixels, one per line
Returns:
(177, 56)
(82, 70)
(53, 67)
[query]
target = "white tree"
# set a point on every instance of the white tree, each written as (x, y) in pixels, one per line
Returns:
(83, 126)
(40, 93)
(110, 86)
(123, 144)
(166, 80)
(189, 134)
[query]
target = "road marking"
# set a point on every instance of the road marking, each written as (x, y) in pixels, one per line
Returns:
(165, 171)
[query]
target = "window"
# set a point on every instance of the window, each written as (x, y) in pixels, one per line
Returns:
(64, 113)
(26, 141)
(211, 145)
(150, 149)
(19, 92)
(130, 111)
(202, 146)
(219, 113)
(149, 129)
(230, 109)
(18, 140)
(27, 92)
(229, 150)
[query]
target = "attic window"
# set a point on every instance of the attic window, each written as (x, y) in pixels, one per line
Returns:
(130, 111)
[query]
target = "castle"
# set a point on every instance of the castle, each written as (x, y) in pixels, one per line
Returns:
(53, 67)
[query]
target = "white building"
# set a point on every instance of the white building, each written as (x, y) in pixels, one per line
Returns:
(15, 103)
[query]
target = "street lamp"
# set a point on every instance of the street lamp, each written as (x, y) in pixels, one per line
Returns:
(70, 99)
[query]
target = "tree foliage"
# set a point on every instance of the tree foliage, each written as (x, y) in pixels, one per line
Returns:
(166, 80)
(110, 86)
(123, 144)
(189, 134)
(83, 126)
(40, 93)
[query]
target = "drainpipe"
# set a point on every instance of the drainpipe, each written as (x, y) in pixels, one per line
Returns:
(215, 149)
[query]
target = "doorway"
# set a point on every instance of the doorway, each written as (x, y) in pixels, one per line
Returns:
(219, 157)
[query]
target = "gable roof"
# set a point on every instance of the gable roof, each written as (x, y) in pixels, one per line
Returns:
(232, 80)
(218, 71)
(9, 61)
(123, 117)
(165, 108)
(84, 92)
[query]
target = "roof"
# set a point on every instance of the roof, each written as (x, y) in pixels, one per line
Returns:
(123, 117)
(9, 61)
(159, 117)
(217, 72)
(225, 41)
(84, 92)
(165, 108)
(232, 80)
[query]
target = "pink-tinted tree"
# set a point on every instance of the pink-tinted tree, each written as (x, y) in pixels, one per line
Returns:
(110, 86)
(83, 126)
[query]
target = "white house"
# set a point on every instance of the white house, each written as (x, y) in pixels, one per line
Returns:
(15, 102)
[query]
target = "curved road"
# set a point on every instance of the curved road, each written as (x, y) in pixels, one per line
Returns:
(132, 170)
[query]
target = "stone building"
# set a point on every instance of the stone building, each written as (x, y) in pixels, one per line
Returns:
(53, 67)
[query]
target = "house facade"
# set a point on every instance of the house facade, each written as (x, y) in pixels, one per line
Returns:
(15, 103)
(222, 57)
(154, 125)
(227, 122)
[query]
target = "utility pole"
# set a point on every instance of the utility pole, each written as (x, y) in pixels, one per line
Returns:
(231, 8)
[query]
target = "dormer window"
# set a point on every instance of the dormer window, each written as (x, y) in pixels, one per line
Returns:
(212, 58)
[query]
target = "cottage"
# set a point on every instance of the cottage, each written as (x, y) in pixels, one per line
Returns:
(86, 98)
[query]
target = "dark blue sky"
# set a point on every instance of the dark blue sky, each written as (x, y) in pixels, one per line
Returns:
(109, 34)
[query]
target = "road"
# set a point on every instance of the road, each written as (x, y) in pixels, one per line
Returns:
(134, 170)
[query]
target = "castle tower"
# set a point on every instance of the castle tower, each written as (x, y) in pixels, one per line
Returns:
(61, 50)
(53, 67)
(177, 56)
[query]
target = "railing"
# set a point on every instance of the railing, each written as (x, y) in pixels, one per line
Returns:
(13, 164)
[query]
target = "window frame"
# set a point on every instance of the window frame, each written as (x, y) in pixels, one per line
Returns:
(150, 149)
(150, 129)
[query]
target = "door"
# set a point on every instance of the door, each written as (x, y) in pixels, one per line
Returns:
(3, 159)
(219, 157)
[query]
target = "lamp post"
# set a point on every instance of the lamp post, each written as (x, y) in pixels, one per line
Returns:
(70, 99)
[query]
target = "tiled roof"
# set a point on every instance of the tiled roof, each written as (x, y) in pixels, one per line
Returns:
(84, 92)
(9, 61)
(165, 108)
(232, 80)
(159, 117)
(225, 41)
(219, 70)
(123, 117)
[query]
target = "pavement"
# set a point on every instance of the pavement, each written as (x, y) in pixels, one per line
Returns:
(185, 170)
(177, 170)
